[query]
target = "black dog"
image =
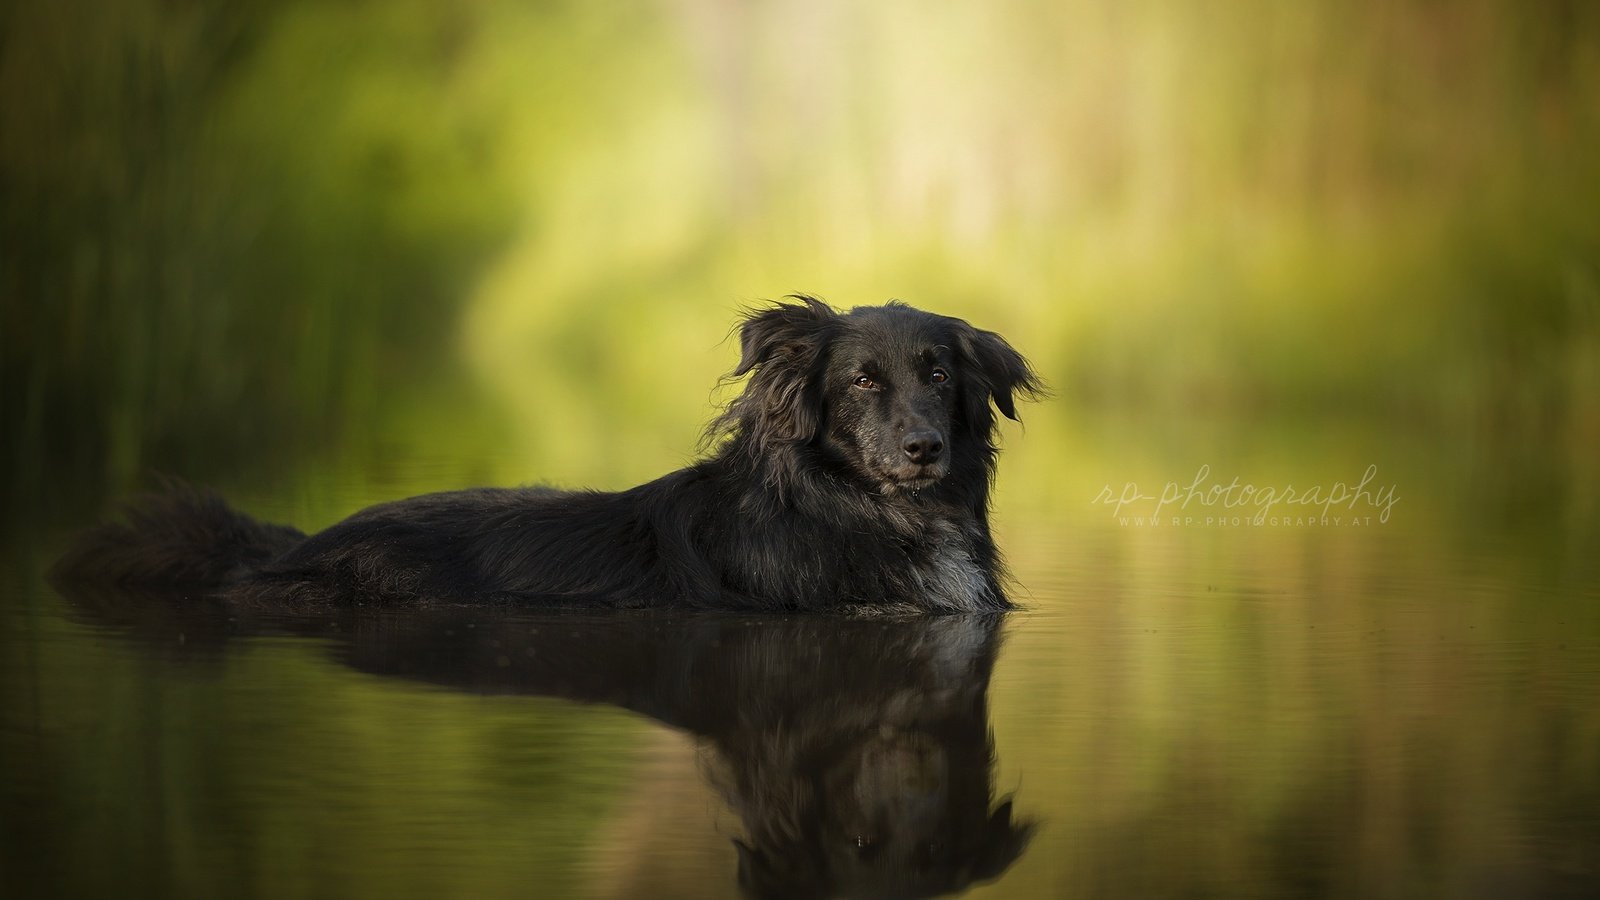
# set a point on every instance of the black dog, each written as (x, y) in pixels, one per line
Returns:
(852, 474)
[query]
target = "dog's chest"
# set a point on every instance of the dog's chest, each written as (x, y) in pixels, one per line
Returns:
(947, 574)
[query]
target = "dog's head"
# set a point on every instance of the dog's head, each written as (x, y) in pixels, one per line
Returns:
(898, 397)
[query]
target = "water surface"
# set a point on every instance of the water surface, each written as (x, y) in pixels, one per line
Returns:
(1399, 709)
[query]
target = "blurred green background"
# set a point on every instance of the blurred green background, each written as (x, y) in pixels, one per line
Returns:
(235, 235)
(323, 254)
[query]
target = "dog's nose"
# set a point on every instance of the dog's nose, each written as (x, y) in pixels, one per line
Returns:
(923, 446)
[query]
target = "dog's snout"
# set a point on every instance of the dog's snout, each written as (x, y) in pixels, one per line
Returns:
(923, 445)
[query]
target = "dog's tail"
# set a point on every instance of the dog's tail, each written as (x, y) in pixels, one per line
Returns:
(181, 536)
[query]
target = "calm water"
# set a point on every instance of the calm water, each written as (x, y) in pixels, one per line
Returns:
(1404, 709)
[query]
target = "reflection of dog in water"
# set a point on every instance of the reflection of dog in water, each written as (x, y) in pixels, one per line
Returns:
(900, 814)
(856, 753)
(874, 777)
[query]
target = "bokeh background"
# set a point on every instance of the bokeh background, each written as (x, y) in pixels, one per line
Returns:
(321, 254)
(237, 233)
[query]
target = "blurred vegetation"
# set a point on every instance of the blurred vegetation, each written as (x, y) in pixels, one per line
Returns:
(1282, 239)
(228, 228)
(236, 233)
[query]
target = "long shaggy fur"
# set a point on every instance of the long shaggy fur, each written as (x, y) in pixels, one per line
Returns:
(180, 536)
(852, 473)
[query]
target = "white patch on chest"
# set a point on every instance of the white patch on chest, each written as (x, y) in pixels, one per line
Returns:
(950, 579)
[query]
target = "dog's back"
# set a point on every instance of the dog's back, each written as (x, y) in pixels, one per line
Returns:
(852, 473)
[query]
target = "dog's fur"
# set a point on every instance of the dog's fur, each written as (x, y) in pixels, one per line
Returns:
(852, 473)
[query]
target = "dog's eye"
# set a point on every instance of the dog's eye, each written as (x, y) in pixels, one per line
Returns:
(939, 376)
(865, 382)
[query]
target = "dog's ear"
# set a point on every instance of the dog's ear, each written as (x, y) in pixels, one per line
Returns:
(1000, 369)
(782, 345)
(786, 328)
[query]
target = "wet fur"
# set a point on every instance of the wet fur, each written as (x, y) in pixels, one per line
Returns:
(806, 502)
